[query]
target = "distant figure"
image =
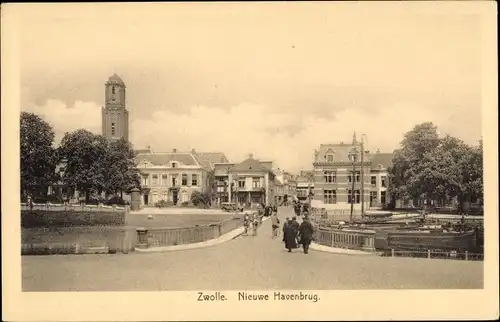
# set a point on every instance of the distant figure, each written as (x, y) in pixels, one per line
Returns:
(306, 232)
(289, 236)
(275, 222)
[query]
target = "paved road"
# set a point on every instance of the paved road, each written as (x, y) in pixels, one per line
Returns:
(247, 262)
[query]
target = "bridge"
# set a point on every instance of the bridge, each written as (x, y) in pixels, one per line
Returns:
(246, 262)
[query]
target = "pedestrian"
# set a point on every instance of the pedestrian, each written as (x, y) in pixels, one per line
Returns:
(289, 236)
(255, 223)
(246, 223)
(285, 224)
(306, 232)
(295, 225)
(275, 222)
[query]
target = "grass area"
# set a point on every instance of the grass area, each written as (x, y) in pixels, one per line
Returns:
(174, 221)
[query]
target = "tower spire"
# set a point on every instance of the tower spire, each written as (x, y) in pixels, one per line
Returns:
(354, 141)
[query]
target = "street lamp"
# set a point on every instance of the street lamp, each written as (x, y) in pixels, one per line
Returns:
(363, 138)
(353, 155)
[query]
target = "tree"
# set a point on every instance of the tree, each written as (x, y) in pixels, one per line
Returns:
(407, 176)
(121, 171)
(458, 169)
(38, 158)
(86, 157)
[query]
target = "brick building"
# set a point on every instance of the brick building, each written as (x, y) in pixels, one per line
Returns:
(334, 178)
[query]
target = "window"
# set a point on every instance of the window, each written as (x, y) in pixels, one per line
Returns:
(241, 183)
(330, 176)
(113, 129)
(256, 183)
(194, 180)
(358, 176)
(113, 90)
(174, 181)
(374, 180)
(357, 196)
(329, 158)
(383, 181)
(164, 196)
(155, 179)
(184, 179)
(330, 196)
(174, 165)
(221, 189)
(382, 197)
(164, 179)
(373, 196)
(144, 180)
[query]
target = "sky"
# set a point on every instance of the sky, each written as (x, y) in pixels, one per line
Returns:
(242, 79)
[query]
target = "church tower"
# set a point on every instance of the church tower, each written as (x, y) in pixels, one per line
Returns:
(114, 112)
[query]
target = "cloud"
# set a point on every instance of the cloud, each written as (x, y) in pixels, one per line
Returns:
(249, 128)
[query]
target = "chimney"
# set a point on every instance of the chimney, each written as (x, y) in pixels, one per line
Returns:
(193, 151)
(174, 150)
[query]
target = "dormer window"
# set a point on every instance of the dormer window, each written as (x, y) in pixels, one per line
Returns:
(329, 157)
(113, 91)
(379, 166)
(174, 164)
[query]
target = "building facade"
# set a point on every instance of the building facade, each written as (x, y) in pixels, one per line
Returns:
(337, 167)
(304, 184)
(115, 116)
(174, 176)
(247, 183)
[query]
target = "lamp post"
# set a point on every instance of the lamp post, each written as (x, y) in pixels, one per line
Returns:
(353, 157)
(363, 137)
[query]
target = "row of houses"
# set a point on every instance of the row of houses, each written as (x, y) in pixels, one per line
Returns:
(174, 176)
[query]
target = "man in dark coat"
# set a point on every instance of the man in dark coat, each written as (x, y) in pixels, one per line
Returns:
(289, 236)
(306, 232)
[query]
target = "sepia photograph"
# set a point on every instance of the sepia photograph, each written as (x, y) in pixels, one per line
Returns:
(248, 153)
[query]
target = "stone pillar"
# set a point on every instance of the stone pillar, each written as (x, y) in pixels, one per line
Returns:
(135, 203)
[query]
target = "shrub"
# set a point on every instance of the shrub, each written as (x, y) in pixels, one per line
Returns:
(161, 204)
(200, 199)
(185, 204)
(116, 201)
(40, 218)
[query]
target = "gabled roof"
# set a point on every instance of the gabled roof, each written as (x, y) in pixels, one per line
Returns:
(385, 159)
(209, 159)
(164, 158)
(250, 165)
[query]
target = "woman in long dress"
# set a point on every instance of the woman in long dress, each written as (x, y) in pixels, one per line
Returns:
(289, 236)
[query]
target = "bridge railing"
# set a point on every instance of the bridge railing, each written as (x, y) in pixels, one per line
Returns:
(339, 238)
(434, 254)
(77, 240)
(157, 237)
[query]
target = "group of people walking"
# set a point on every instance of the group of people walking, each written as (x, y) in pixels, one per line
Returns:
(295, 234)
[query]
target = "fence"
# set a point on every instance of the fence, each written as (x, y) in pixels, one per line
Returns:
(432, 254)
(154, 237)
(359, 240)
(71, 207)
